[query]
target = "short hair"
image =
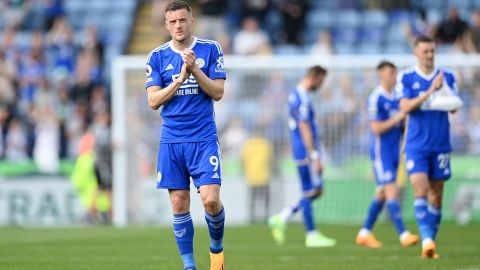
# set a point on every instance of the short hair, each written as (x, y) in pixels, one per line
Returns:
(177, 5)
(422, 39)
(383, 64)
(316, 71)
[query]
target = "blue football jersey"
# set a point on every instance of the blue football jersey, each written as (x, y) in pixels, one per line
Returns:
(301, 110)
(189, 115)
(381, 107)
(427, 130)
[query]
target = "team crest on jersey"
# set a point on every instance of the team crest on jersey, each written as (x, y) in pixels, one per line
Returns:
(149, 70)
(200, 62)
(220, 65)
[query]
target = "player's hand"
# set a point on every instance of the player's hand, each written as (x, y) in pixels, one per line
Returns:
(189, 57)
(438, 81)
(318, 166)
(184, 74)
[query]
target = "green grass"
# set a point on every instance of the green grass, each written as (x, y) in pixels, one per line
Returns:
(245, 248)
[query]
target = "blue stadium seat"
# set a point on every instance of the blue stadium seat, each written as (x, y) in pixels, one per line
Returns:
(398, 16)
(461, 4)
(395, 34)
(374, 18)
(434, 16)
(347, 18)
(289, 50)
(397, 49)
(369, 48)
(344, 48)
(345, 35)
(374, 35)
(319, 18)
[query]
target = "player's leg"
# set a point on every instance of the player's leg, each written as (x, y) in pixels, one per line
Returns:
(365, 236)
(312, 187)
(435, 195)
(440, 163)
(393, 206)
(183, 226)
(205, 168)
(173, 175)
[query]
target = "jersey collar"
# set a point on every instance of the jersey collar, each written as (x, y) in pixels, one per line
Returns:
(385, 93)
(427, 77)
(170, 43)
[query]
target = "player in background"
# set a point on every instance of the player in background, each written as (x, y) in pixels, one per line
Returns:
(185, 76)
(386, 126)
(427, 142)
(306, 152)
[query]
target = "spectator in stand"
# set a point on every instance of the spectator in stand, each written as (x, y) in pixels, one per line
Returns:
(61, 47)
(211, 23)
(4, 115)
(53, 10)
(46, 149)
(324, 45)
(64, 110)
(7, 77)
(16, 142)
(14, 12)
(257, 9)
(92, 43)
(83, 85)
(451, 29)
(419, 26)
(251, 40)
(294, 13)
(10, 50)
(475, 32)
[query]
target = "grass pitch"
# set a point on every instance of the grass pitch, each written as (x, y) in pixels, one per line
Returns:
(246, 248)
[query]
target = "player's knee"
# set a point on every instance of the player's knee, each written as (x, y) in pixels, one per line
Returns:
(211, 204)
(180, 204)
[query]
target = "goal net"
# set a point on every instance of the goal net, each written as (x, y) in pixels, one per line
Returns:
(255, 102)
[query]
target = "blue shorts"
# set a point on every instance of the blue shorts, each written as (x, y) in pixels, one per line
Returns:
(178, 162)
(385, 169)
(309, 178)
(435, 165)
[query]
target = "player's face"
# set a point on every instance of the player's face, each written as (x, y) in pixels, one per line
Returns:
(425, 53)
(179, 24)
(388, 76)
(316, 82)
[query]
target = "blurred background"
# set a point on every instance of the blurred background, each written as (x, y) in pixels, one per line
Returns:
(74, 118)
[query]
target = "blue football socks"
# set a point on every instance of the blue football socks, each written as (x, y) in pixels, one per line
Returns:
(395, 213)
(434, 216)
(373, 211)
(422, 219)
(183, 230)
(306, 205)
(216, 225)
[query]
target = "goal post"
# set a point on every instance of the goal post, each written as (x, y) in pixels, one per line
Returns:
(255, 102)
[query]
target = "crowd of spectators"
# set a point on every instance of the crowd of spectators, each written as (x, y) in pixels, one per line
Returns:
(51, 87)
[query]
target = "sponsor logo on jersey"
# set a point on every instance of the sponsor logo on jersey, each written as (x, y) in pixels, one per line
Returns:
(215, 176)
(169, 67)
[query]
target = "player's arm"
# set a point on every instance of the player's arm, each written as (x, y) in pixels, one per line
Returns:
(407, 105)
(214, 88)
(158, 96)
(307, 138)
(380, 127)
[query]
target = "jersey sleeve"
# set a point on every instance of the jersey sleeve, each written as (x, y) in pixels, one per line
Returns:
(300, 109)
(451, 82)
(373, 108)
(154, 77)
(216, 68)
(402, 89)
